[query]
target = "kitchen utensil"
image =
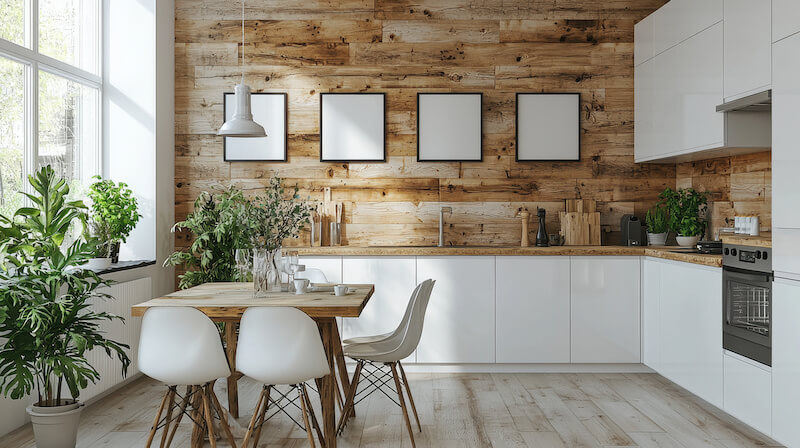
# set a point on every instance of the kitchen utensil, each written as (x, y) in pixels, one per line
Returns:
(580, 223)
(336, 234)
(525, 216)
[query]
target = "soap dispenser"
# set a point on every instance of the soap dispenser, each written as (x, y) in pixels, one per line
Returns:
(541, 234)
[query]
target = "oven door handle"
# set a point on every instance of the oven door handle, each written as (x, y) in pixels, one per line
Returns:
(743, 274)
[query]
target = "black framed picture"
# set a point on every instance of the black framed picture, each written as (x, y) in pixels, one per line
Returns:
(548, 127)
(269, 110)
(352, 127)
(449, 127)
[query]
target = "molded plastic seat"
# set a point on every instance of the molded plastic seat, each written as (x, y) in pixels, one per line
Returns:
(381, 337)
(313, 275)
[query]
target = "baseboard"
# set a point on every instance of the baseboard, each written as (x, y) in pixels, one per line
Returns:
(524, 368)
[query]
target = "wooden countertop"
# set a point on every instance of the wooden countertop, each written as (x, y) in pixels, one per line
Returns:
(665, 252)
(763, 240)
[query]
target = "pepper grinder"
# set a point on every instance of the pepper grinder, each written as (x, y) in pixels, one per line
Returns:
(541, 234)
(525, 217)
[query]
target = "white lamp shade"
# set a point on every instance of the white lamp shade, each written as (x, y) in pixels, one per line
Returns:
(242, 124)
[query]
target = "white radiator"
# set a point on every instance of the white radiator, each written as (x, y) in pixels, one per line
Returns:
(125, 295)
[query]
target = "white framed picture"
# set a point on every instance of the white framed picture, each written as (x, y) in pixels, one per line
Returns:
(548, 127)
(269, 110)
(449, 127)
(352, 127)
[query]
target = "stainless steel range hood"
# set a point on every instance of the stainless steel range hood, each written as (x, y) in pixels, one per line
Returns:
(758, 102)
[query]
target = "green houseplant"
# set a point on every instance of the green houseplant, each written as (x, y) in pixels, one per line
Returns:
(657, 226)
(114, 214)
(685, 208)
(46, 316)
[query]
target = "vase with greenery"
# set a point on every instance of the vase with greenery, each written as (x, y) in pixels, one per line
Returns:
(686, 208)
(657, 227)
(114, 214)
(46, 316)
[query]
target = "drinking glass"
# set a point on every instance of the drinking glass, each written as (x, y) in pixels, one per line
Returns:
(244, 262)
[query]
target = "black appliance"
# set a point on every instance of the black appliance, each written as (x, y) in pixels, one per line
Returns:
(633, 233)
(709, 247)
(747, 301)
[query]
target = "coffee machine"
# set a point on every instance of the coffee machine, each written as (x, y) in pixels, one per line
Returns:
(633, 232)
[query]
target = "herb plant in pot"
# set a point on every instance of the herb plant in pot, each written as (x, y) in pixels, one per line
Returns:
(114, 214)
(46, 317)
(685, 207)
(657, 227)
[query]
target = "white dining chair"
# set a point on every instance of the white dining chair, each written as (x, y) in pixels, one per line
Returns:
(313, 275)
(181, 346)
(384, 357)
(403, 324)
(280, 346)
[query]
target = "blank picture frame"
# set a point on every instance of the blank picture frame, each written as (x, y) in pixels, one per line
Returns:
(352, 127)
(269, 110)
(449, 127)
(548, 127)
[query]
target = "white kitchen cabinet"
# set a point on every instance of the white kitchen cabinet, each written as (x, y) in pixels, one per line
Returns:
(331, 266)
(605, 300)
(643, 48)
(785, 126)
(748, 391)
(395, 279)
(643, 111)
(679, 20)
(748, 47)
(651, 299)
(786, 362)
(690, 327)
(459, 324)
(785, 18)
(533, 309)
(785, 256)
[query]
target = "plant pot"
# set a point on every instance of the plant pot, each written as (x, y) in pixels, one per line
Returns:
(687, 241)
(115, 252)
(656, 239)
(56, 426)
(97, 264)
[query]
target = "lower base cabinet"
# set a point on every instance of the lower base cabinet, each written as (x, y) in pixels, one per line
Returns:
(786, 362)
(748, 392)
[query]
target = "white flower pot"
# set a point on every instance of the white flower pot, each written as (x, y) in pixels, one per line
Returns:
(97, 264)
(56, 426)
(656, 239)
(687, 241)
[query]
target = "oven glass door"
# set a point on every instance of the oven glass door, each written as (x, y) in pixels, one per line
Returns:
(748, 299)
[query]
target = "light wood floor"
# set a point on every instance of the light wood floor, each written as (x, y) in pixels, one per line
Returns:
(468, 410)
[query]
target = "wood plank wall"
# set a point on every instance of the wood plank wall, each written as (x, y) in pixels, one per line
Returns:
(739, 185)
(401, 47)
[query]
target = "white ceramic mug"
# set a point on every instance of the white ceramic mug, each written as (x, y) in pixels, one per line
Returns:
(340, 290)
(300, 285)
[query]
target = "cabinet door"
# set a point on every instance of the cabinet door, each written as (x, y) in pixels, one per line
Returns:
(785, 257)
(643, 49)
(533, 309)
(330, 266)
(748, 47)
(651, 298)
(643, 110)
(459, 324)
(748, 392)
(394, 279)
(786, 362)
(691, 328)
(605, 299)
(785, 125)
(785, 18)
(679, 20)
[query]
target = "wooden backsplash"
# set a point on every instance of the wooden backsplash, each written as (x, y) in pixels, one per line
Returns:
(738, 185)
(497, 47)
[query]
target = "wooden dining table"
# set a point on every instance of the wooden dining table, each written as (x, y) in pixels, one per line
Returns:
(227, 301)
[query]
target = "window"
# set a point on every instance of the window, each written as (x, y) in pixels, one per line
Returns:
(50, 91)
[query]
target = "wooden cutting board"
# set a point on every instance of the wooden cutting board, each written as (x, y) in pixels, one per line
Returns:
(580, 224)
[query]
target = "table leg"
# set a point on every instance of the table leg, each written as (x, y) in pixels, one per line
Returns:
(327, 395)
(344, 379)
(233, 380)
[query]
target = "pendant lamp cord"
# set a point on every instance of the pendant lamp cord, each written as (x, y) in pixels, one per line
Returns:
(242, 41)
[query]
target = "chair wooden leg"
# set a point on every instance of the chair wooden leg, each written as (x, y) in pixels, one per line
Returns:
(314, 422)
(212, 438)
(410, 397)
(402, 402)
(223, 417)
(170, 404)
(198, 429)
(256, 413)
(184, 404)
(264, 410)
(351, 396)
(304, 408)
(158, 417)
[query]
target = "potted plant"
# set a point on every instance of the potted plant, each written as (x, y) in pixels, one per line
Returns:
(657, 227)
(46, 317)
(114, 214)
(685, 207)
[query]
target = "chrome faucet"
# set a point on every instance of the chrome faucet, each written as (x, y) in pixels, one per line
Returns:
(442, 211)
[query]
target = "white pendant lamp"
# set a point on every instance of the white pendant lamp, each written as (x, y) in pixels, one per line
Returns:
(242, 124)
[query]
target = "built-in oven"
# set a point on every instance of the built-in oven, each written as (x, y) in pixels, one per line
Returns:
(747, 302)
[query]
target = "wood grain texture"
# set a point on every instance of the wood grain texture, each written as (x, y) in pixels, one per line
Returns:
(401, 47)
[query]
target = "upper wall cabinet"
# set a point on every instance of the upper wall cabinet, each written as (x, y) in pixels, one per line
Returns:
(679, 20)
(748, 41)
(785, 18)
(786, 149)
(643, 48)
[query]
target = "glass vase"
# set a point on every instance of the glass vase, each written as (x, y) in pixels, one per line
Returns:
(266, 272)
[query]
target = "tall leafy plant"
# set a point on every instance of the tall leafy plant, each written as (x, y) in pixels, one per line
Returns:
(46, 315)
(686, 207)
(114, 213)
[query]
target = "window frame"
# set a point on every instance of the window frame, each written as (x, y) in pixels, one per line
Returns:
(33, 61)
